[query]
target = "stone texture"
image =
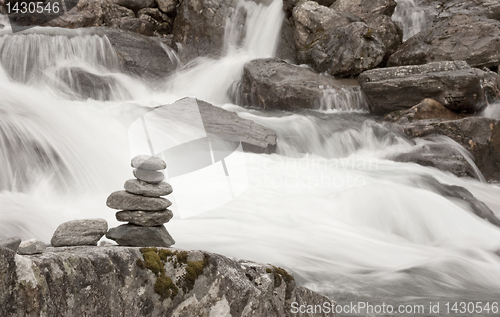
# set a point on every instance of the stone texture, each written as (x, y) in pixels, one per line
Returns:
(223, 124)
(138, 236)
(140, 55)
(480, 136)
(137, 25)
(199, 27)
(152, 177)
(122, 200)
(145, 218)
(79, 232)
(11, 243)
(427, 109)
(135, 5)
(454, 84)
(473, 39)
(148, 162)
(365, 9)
(138, 187)
(336, 43)
(167, 6)
(32, 246)
(275, 84)
(106, 281)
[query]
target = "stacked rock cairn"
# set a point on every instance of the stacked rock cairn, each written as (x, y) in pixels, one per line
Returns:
(142, 206)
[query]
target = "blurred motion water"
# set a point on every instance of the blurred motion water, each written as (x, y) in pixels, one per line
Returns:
(329, 205)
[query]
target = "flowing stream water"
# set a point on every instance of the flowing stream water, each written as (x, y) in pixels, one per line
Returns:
(329, 205)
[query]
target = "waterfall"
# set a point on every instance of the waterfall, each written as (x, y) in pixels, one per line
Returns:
(329, 205)
(411, 16)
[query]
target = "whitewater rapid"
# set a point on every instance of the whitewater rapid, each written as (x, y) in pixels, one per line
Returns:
(329, 205)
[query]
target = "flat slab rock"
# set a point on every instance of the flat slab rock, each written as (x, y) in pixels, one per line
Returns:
(138, 187)
(123, 200)
(138, 236)
(145, 218)
(453, 84)
(62, 277)
(79, 232)
(32, 246)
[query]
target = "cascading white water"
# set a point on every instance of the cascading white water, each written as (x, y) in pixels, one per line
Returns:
(411, 16)
(329, 206)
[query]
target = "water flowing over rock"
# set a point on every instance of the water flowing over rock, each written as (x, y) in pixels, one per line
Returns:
(200, 26)
(480, 136)
(71, 281)
(473, 39)
(336, 43)
(276, 84)
(79, 232)
(454, 84)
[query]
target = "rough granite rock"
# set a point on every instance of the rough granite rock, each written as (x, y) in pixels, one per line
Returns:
(275, 84)
(32, 246)
(167, 6)
(138, 187)
(454, 84)
(135, 5)
(122, 200)
(473, 39)
(365, 8)
(145, 218)
(109, 281)
(334, 42)
(152, 177)
(11, 243)
(148, 162)
(427, 109)
(139, 236)
(79, 232)
(480, 136)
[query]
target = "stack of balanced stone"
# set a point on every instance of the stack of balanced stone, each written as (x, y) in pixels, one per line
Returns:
(142, 206)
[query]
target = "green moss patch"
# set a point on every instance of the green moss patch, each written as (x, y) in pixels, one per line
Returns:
(155, 260)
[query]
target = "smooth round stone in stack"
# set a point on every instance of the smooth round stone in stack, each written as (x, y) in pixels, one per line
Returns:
(142, 206)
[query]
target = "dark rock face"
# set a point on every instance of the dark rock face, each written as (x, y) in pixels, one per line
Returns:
(140, 55)
(365, 9)
(441, 9)
(275, 84)
(390, 33)
(199, 27)
(453, 84)
(473, 39)
(107, 281)
(139, 236)
(137, 26)
(491, 84)
(427, 109)
(336, 43)
(135, 5)
(79, 232)
(480, 136)
(286, 47)
(126, 201)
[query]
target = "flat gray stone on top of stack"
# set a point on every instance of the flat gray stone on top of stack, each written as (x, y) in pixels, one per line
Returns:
(142, 206)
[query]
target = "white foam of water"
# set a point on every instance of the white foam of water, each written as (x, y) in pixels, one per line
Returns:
(411, 16)
(343, 99)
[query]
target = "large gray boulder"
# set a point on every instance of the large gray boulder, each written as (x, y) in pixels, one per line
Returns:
(276, 84)
(334, 42)
(119, 281)
(454, 84)
(79, 232)
(140, 55)
(473, 39)
(199, 27)
(480, 136)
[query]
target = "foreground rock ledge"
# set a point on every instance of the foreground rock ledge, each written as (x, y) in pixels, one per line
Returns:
(112, 281)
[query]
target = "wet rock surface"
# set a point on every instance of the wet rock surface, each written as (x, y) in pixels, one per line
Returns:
(454, 84)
